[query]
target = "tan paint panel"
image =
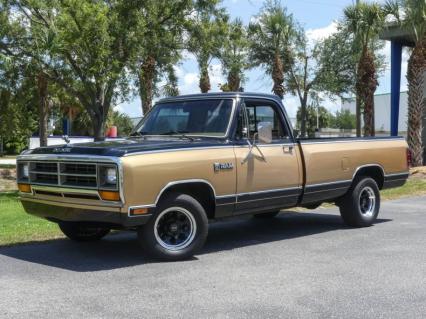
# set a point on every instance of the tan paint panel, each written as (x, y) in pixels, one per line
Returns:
(278, 169)
(146, 175)
(324, 160)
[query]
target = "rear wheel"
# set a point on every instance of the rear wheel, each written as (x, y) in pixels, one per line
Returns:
(82, 232)
(361, 205)
(266, 215)
(177, 230)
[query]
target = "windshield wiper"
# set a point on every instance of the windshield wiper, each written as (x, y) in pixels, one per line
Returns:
(138, 133)
(179, 133)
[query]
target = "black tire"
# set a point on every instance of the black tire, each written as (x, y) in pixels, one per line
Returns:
(361, 204)
(177, 230)
(267, 215)
(82, 232)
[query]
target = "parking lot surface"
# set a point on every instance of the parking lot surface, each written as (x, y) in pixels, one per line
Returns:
(298, 265)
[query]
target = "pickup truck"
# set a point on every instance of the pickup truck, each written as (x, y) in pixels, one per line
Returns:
(196, 158)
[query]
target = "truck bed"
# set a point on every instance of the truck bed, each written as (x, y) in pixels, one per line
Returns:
(330, 164)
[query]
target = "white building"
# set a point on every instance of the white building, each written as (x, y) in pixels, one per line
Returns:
(382, 105)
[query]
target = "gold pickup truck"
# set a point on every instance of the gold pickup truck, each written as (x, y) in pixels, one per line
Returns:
(197, 158)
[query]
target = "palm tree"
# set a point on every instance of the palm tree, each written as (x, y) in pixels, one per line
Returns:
(206, 33)
(171, 87)
(159, 30)
(270, 36)
(364, 21)
(414, 20)
(234, 55)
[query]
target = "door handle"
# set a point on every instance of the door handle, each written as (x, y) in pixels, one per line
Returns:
(288, 149)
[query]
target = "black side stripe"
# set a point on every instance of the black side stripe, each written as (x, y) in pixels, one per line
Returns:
(257, 196)
(268, 194)
(327, 187)
(226, 200)
(394, 177)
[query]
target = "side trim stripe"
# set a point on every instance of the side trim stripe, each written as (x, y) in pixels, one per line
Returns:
(314, 188)
(349, 140)
(244, 197)
(397, 176)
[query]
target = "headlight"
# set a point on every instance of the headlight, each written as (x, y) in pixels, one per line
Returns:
(111, 176)
(25, 171)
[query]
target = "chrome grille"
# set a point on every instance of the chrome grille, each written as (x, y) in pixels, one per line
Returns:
(44, 178)
(45, 167)
(75, 180)
(76, 168)
(65, 174)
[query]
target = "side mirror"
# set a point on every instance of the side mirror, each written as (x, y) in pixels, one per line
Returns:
(296, 133)
(264, 130)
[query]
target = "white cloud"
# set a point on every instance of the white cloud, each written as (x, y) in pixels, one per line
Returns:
(321, 33)
(189, 80)
(216, 76)
(186, 55)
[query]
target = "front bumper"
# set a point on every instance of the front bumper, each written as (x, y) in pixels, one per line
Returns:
(58, 212)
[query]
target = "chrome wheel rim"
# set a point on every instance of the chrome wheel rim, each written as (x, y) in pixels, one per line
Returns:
(175, 228)
(367, 201)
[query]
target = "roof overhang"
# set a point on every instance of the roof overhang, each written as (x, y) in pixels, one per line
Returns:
(396, 33)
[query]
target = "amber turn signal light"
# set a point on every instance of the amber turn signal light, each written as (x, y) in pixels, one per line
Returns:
(108, 195)
(138, 211)
(24, 188)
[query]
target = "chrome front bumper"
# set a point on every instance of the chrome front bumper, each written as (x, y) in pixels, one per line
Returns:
(60, 211)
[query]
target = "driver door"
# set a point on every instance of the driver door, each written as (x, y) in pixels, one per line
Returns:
(268, 169)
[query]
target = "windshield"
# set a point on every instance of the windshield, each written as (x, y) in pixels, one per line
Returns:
(203, 117)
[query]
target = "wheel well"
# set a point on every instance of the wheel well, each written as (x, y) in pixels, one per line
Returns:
(202, 192)
(375, 172)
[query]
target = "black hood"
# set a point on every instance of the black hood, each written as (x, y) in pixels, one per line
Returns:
(120, 147)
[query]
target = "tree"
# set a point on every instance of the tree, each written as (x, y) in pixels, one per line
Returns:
(337, 66)
(171, 87)
(343, 120)
(206, 35)
(304, 74)
(316, 117)
(11, 31)
(364, 21)
(233, 55)
(159, 44)
(414, 19)
(121, 121)
(270, 36)
(44, 106)
(83, 46)
(18, 117)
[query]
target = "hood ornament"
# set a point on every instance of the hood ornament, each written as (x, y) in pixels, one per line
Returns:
(66, 139)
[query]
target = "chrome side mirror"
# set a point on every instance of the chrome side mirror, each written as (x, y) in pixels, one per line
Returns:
(264, 130)
(250, 152)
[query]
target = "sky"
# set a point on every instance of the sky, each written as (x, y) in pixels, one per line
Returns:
(318, 17)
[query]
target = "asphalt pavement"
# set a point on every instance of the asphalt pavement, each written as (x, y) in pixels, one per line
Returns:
(298, 265)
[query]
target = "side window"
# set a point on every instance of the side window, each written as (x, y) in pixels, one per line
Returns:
(261, 112)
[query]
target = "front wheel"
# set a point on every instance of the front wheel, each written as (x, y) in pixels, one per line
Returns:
(360, 206)
(177, 230)
(82, 232)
